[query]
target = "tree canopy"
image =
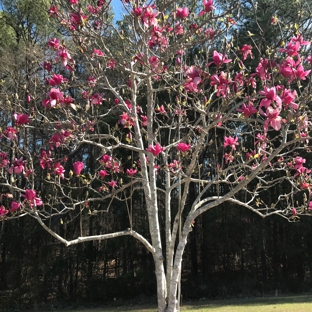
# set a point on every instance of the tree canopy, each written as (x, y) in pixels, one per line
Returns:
(171, 110)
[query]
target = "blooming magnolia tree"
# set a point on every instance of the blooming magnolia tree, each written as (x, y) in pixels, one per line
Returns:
(160, 103)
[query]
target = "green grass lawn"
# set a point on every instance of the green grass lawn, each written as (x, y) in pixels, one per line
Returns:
(277, 304)
(266, 304)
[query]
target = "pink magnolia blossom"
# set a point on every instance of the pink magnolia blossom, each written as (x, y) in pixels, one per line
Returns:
(174, 166)
(59, 138)
(78, 166)
(155, 149)
(300, 39)
(302, 171)
(30, 194)
(239, 82)
(3, 211)
(158, 38)
(263, 67)
(59, 169)
(299, 161)
(47, 66)
(294, 211)
(247, 110)
(286, 68)
(56, 80)
(45, 159)
(193, 79)
(64, 56)
(3, 160)
(230, 141)
(219, 59)
(96, 99)
(111, 64)
(131, 172)
(309, 59)
(92, 81)
(98, 52)
(112, 183)
(273, 118)
(210, 33)
(129, 105)
(137, 11)
(154, 62)
(149, 16)
(10, 133)
(28, 173)
(77, 19)
(241, 178)
(28, 98)
(125, 120)
(144, 120)
(54, 43)
(14, 206)
(180, 112)
(30, 197)
(21, 119)
(105, 159)
(182, 12)
(300, 73)
(229, 158)
(292, 48)
(310, 206)
(216, 117)
(93, 10)
(208, 7)
(178, 29)
(222, 83)
(288, 97)
(73, 2)
(114, 166)
(18, 166)
(54, 97)
(183, 147)
(53, 11)
(246, 50)
(161, 110)
(270, 97)
(305, 185)
(103, 173)
(261, 141)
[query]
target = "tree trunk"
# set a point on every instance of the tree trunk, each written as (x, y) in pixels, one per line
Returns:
(177, 266)
(161, 283)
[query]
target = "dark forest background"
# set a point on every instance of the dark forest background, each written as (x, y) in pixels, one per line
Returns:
(231, 253)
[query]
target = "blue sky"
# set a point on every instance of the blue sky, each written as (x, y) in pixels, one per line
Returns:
(117, 8)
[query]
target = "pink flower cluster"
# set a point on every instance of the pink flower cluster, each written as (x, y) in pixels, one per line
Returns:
(111, 167)
(31, 199)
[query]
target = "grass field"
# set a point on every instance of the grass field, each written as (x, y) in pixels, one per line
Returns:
(266, 304)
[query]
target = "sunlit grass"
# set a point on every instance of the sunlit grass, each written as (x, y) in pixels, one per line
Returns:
(276, 304)
(266, 304)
